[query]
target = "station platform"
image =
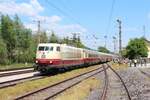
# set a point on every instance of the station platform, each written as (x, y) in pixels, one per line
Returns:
(141, 66)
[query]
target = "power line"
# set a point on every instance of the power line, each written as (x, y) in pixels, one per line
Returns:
(63, 12)
(68, 15)
(71, 17)
(110, 16)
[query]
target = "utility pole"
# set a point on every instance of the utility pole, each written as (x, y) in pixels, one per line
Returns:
(74, 38)
(120, 40)
(114, 40)
(105, 37)
(144, 31)
(38, 29)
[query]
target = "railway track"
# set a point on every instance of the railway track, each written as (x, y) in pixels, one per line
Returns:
(51, 91)
(104, 93)
(105, 89)
(144, 73)
(16, 72)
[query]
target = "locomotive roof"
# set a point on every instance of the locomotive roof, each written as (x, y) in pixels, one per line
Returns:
(56, 44)
(49, 44)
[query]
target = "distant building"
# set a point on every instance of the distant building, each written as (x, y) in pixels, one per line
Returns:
(148, 52)
(148, 46)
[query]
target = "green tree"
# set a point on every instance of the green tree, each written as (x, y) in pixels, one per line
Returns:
(136, 48)
(74, 42)
(124, 53)
(3, 52)
(43, 37)
(103, 49)
(8, 35)
(25, 42)
(65, 40)
(53, 38)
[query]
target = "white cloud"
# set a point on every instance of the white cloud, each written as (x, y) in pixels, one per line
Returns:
(32, 10)
(47, 19)
(29, 9)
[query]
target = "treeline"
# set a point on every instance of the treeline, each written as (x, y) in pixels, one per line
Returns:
(18, 44)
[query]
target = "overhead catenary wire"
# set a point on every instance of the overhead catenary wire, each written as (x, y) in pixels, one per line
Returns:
(63, 12)
(71, 17)
(68, 15)
(110, 17)
(109, 20)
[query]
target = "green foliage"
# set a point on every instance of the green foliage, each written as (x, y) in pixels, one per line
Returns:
(53, 38)
(43, 37)
(8, 34)
(103, 49)
(3, 52)
(74, 42)
(17, 42)
(136, 48)
(124, 53)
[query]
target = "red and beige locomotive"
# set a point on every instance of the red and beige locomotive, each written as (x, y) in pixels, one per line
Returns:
(52, 55)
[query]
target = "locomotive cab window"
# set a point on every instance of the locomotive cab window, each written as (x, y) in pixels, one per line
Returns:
(57, 48)
(41, 48)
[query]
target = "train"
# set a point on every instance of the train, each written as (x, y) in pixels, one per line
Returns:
(62, 56)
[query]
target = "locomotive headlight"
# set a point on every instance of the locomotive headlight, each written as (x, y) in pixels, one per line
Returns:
(36, 61)
(50, 62)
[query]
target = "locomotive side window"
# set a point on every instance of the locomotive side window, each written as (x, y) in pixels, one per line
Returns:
(58, 49)
(41, 48)
(46, 48)
(51, 48)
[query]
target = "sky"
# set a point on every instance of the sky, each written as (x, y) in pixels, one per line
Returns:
(91, 19)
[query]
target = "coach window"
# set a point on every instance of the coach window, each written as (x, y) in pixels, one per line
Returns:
(51, 48)
(58, 49)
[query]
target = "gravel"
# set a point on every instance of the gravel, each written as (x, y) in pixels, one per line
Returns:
(137, 83)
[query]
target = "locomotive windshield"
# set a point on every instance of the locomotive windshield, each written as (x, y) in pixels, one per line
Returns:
(45, 48)
(41, 48)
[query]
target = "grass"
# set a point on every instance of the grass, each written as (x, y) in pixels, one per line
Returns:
(80, 91)
(117, 66)
(11, 92)
(16, 65)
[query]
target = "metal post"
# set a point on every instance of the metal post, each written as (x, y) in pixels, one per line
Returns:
(144, 31)
(120, 40)
(114, 40)
(105, 37)
(39, 26)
